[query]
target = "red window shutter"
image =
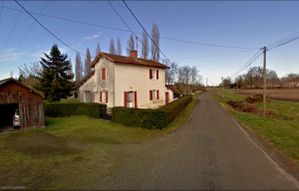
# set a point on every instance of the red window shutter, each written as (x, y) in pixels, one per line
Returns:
(106, 96)
(135, 99)
(157, 94)
(150, 73)
(157, 74)
(125, 99)
(103, 73)
(151, 95)
(101, 96)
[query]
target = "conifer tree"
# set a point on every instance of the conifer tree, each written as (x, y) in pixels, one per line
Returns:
(56, 75)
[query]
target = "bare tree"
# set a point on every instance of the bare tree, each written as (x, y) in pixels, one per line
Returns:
(119, 51)
(145, 46)
(112, 49)
(98, 49)
(78, 68)
(87, 63)
(194, 75)
(155, 49)
(33, 69)
(171, 72)
(130, 45)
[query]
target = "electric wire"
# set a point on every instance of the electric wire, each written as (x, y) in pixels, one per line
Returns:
(248, 63)
(11, 32)
(125, 30)
(31, 27)
(149, 36)
(56, 37)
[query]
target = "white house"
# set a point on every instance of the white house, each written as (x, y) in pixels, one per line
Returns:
(126, 81)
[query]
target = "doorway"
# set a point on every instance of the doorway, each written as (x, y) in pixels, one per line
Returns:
(7, 112)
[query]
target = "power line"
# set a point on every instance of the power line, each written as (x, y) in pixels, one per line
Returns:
(145, 30)
(11, 31)
(213, 55)
(1, 10)
(248, 63)
(56, 37)
(284, 41)
(32, 25)
(206, 44)
(120, 17)
(70, 20)
(125, 30)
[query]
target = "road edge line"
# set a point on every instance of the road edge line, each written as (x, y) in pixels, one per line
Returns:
(283, 172)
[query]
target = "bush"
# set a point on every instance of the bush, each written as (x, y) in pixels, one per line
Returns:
(94, 110)
(150, 118)
(255, 98)
(243, 106)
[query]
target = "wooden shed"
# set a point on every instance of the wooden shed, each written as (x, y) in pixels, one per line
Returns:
(13, 96)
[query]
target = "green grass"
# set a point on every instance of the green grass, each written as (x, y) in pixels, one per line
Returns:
(71, 153)
(281, 129)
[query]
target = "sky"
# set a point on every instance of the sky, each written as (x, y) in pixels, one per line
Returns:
(244, 24)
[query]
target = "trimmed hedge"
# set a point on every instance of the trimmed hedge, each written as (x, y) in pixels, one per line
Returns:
(94, 110)
(150, 118)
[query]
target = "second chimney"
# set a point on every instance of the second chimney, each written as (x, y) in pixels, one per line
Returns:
(133, 53)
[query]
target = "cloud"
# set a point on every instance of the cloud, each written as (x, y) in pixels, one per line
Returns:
(11, 55)
(92, 37)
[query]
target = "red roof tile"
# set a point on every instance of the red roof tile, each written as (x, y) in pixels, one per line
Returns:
(127, 60)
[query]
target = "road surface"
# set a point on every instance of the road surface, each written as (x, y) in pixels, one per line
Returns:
(209, 152)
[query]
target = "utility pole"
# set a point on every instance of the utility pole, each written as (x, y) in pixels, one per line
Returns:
(222, 88)
(265, 82)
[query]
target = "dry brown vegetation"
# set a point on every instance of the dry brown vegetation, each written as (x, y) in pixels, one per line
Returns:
(281, 94)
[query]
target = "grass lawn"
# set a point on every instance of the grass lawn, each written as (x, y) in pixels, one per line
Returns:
(281, 129)
(74, 152)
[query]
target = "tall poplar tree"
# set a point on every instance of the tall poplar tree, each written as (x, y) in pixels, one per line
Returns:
(87, 63)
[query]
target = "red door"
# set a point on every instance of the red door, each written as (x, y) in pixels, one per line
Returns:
(166, 97)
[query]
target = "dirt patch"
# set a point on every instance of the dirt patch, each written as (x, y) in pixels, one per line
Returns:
(39, 143)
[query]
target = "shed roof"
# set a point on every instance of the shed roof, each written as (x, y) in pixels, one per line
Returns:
(117, 59)
(8, 80)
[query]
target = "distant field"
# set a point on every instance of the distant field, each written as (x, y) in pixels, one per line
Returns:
(281, 94)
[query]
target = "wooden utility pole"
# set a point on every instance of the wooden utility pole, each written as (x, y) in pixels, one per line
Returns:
(222, 88)
(265, 82)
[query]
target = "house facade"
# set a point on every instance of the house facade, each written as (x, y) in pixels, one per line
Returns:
(126, 81)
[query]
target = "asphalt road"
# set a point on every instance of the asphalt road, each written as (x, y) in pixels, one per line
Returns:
(209, 152)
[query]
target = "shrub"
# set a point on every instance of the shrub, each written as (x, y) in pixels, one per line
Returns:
(243, 106)
(255, 98)
(150, 118)
(94, 110)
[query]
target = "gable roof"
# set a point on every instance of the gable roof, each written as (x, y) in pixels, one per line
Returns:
(127, 60)
(8, 80)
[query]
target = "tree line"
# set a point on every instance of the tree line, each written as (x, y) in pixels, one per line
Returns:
(83, 69)
(54, 77)
(254, 79)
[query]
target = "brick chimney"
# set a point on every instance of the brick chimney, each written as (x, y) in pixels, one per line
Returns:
(133, 53)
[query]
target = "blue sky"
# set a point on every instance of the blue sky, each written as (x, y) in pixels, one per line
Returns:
(243, 24)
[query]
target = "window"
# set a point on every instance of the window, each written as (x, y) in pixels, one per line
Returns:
(104, 96)
(103, 73)
(87, 96)
(150, 74)
(153, 74)
(154, 95)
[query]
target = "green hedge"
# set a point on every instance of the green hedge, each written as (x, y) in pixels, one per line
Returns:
(94, 110)
(150, 118)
